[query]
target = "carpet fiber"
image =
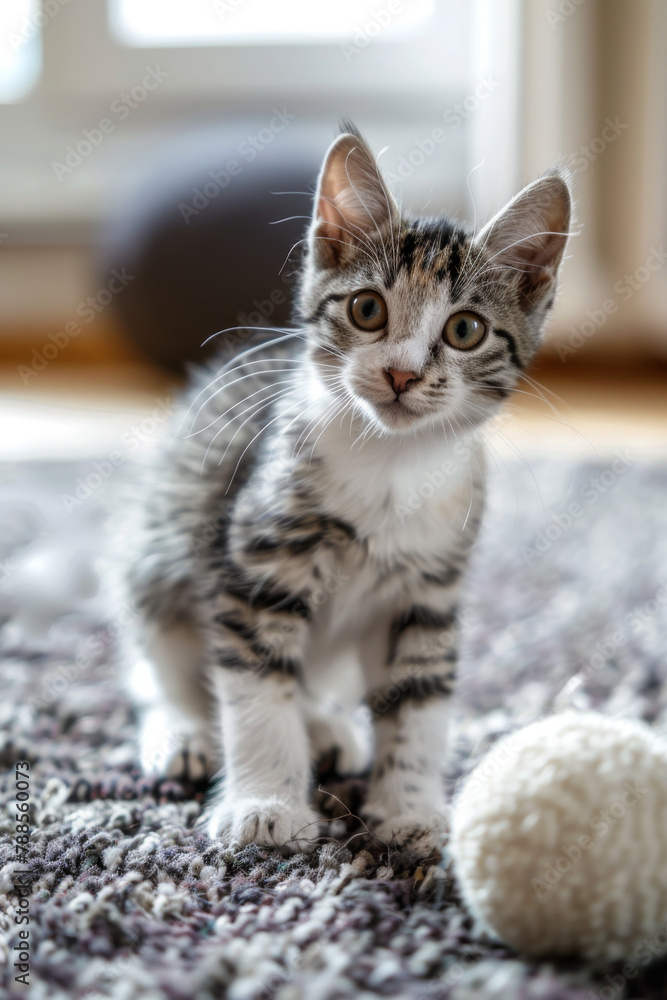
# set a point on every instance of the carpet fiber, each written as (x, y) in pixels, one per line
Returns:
(129, 900)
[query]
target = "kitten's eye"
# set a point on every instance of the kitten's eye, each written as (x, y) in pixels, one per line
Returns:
(464, 330)
(368, 310)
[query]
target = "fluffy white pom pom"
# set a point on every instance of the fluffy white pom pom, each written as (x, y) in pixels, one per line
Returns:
(559, 839)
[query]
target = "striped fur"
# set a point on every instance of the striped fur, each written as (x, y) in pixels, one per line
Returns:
(274, 549)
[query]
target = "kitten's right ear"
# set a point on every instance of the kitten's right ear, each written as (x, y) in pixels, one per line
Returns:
(352, 201)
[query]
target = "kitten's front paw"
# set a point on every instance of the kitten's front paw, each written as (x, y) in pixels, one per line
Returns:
(267, 822)
(424, 835)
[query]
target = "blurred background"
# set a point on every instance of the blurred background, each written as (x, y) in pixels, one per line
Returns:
(150, 148)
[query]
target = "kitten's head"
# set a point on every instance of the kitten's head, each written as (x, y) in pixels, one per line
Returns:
(419, 320)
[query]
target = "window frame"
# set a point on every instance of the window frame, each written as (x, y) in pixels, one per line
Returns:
(229, 74)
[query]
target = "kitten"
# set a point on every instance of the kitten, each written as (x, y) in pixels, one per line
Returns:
(275, 552)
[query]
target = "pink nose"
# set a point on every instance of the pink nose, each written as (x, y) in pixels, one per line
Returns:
(400, 380)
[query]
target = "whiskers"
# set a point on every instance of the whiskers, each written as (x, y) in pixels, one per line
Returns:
(226, 369)
(239, 361)
(289, 400)
(541, 394)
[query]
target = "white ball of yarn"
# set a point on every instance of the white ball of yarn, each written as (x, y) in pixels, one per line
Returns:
(559, 839)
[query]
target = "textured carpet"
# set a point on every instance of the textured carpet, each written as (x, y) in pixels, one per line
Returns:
(127, 900)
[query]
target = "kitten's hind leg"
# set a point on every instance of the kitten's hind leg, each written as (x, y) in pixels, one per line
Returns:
(340, 734)
(167, 683)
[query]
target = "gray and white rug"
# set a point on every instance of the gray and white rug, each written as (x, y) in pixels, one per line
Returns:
(127, 900)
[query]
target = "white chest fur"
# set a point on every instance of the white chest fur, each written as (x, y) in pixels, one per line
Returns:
(408, 499)
(404, 494)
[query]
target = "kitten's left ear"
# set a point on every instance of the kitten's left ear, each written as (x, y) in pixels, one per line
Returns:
(529, 236)
(352, 201)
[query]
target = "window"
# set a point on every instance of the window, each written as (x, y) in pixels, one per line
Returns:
(20, 48)
(264, 22)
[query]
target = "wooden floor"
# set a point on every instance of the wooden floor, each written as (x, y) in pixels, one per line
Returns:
(589, 411)
(84, 412)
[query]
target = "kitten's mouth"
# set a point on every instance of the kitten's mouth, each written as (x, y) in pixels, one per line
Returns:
(396, 412)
